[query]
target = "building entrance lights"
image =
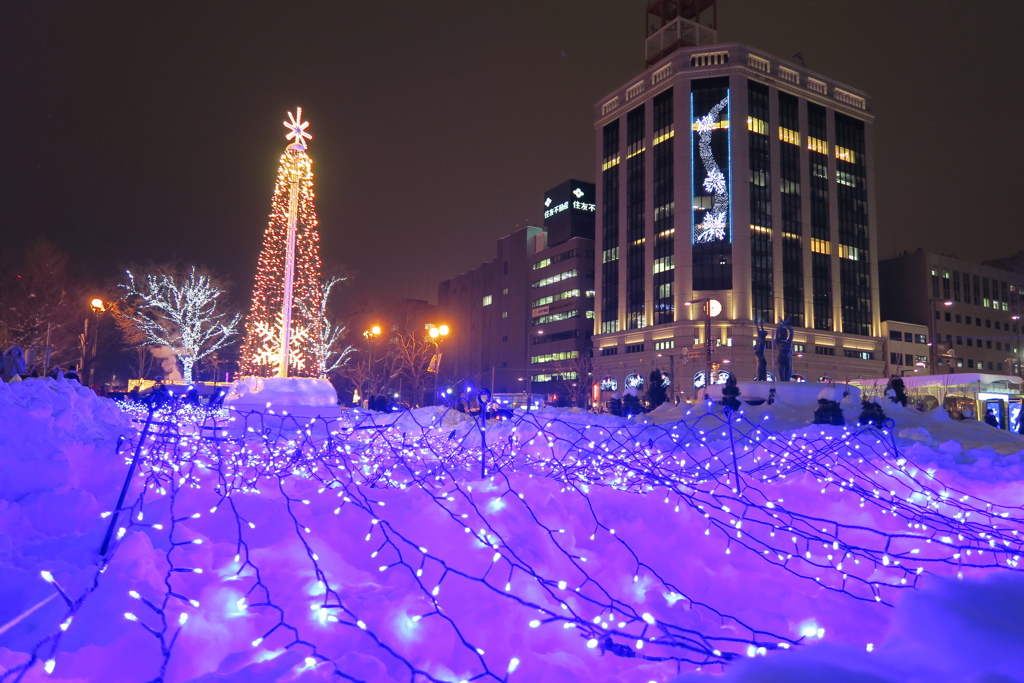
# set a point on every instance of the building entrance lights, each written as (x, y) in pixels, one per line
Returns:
(712, 309)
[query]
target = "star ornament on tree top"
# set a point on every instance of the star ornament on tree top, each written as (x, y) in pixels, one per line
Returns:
(297, 129)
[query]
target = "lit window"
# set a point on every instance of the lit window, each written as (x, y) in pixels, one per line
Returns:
(488, 300)
(664, 263)
(817, 145)
(755, 125)
(848, 252)
(820, 246)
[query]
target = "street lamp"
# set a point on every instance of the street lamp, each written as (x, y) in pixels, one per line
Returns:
(370, 335)
(437, 335)
(712, 309)
(933, 332)
(96, 306)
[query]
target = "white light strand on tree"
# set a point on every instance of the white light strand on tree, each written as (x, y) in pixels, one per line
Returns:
(327, 356)
(181, 312)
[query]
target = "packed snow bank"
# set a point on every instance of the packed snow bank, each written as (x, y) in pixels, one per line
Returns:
(948, 631)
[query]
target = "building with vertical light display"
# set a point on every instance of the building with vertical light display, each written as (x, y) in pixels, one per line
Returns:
(734, 189)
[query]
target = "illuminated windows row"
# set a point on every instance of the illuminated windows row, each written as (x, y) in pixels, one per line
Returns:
(546, 377)
(820, 246)
(789, 135)
(610, 255)
(558, 277)
(555, 317)
(663, 135)
(549, 357)
(664, 263)
(543, 301)
(845, 154)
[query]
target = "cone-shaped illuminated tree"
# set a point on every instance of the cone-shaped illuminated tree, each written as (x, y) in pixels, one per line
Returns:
(289, 271)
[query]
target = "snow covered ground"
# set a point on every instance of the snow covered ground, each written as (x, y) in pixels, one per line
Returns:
(750, 546)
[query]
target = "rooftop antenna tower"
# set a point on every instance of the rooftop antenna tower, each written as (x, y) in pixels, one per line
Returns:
(672, 24)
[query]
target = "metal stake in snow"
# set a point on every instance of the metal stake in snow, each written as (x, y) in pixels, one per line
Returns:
(153, 405)
(297, 128)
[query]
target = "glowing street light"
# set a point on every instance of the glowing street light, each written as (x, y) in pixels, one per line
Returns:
(370, 335)
(97, 306)
(437, 334)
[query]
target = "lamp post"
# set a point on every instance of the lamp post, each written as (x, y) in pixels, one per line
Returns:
(370, 335)
(933, 333)
(96, 306)
(712, 309)
(437, 335)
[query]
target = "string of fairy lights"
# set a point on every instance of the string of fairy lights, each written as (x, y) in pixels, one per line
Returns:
(401, 495)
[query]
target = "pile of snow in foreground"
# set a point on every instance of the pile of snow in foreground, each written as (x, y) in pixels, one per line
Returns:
(594, 549)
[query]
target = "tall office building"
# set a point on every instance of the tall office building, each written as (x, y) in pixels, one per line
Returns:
(562, 294)
(734, 188)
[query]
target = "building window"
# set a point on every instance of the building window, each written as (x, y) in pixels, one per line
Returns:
(896, 335)
(896, 359)
(920, 339)
(488, 299)
(824, 351)
(634, 348)
(610, 351)
(664, 345)
(854, 353)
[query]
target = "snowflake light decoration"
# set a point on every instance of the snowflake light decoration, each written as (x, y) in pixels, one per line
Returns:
(269, 350)
(297, 128)
(713, 227)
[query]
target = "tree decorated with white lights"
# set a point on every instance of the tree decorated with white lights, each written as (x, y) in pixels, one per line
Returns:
(288, 272)
(182, 310)
(326, 345)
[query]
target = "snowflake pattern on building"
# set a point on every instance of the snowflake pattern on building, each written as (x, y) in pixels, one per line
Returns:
(713, 227)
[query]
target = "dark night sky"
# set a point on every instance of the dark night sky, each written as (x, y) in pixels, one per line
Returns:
(142, 131)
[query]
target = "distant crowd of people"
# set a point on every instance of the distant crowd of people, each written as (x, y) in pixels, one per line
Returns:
(14, 368)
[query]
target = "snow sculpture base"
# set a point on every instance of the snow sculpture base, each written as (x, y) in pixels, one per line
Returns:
(790, 393)
(298, 396)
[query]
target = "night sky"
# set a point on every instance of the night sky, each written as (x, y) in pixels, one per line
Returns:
(142, 131)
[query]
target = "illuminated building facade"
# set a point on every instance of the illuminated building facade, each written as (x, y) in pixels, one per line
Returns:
(727, 174)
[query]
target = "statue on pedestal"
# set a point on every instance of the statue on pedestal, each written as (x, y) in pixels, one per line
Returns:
(784, 350)
(759, 347)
